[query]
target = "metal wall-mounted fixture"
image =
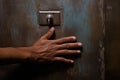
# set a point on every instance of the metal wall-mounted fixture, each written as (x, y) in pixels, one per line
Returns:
(50, 18)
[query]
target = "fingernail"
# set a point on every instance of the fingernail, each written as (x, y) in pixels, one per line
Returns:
(71, 61)
(52, 28)
(78, 51)
(79, 44)
(74, 37)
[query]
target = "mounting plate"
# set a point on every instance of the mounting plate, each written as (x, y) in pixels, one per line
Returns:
(43, 17)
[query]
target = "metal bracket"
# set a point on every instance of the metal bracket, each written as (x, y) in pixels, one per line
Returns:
(50, 18)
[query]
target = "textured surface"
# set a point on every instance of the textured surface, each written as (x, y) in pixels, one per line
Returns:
(112, 39)
(19, 27)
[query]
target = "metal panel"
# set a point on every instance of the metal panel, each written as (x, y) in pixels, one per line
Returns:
(82, 18)
(112, 39)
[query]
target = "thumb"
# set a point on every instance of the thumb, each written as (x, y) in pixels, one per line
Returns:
(49, 33)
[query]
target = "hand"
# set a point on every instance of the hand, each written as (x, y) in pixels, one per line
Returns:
(45, 50)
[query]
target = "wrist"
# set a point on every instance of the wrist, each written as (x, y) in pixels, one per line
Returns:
(24, 53)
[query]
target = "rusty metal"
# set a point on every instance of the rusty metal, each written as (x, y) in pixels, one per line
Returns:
(112, 39)
(82, 18)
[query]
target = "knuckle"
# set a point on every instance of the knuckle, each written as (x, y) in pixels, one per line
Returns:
(53, 41)
(65, 39)
(67, 45)
(75, 45)
(71, 38)
(42, 41)
(64, 51)
(49, 32)
(71, 51)
(53, 48)
(53, 59)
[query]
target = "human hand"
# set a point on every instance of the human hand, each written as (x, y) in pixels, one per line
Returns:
(45, 50)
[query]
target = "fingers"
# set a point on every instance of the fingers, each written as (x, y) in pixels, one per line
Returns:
(48, 34)
(61, 59)
(67, 52)
(65, 40)
(69, 45)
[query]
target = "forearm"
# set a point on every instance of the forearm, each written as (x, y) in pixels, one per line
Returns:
(14, 55)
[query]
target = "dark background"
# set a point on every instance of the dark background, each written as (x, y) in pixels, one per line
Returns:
(112, 39)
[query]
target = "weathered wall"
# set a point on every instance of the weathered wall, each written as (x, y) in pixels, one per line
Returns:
(112, 39)
(19, 26)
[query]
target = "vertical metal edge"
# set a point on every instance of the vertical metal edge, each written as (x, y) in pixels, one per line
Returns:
(101, 42)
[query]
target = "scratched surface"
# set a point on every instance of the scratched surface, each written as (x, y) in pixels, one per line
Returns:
(19, 26)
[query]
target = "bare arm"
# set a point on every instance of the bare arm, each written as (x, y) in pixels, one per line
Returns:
(43, 51)
(13, 55)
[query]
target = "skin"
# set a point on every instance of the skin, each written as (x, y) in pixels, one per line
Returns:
(43, 50)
